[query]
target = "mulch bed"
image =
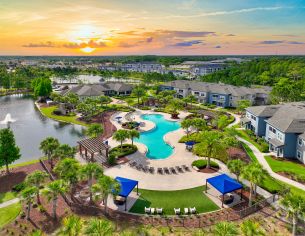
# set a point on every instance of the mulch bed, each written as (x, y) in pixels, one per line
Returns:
(16, 176)
(209, 170)
(289, 176)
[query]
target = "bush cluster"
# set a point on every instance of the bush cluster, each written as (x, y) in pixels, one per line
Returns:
(201, 164)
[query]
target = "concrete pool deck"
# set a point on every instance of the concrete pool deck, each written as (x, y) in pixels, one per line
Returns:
(179, 157)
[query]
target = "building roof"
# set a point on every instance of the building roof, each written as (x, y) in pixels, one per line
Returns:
(127, 185)
(225, 89)
(263, 111)
(275, 142)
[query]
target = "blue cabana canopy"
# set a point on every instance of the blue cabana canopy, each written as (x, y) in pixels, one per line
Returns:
(224, 184)
(118, 117)
(127, 185)
(190, 143)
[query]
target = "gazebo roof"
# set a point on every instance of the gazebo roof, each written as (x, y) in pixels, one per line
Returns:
(127, 185)
(94, 145)
(224, 184)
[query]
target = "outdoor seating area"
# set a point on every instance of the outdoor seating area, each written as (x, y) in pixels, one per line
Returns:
(160, 170)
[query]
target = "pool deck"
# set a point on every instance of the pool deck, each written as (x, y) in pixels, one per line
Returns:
(179, 157)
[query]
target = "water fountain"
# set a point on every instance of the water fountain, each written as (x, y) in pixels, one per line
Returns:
(7, 120)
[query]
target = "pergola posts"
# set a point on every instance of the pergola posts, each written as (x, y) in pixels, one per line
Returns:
(206, 186)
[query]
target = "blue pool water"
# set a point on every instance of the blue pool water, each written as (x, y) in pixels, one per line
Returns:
(153, 139)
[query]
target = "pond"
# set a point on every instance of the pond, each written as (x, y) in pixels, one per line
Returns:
(31, 127)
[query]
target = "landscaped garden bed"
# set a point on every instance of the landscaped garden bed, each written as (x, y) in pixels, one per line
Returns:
(258, 142)
(130, 125)
(168, 200)
(125, 150)
(201, 165)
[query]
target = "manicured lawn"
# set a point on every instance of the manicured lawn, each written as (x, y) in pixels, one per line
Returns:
(168, 200)
(9, 213)
(244, 135)
(281, 165)
(249, 152)
(7, 196)
(48, 111)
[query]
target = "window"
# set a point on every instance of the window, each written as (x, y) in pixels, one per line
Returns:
(272, 129)
(299, 154)
(253, 117)
(180, 91)
(300, 142)
(196, 93)
(202, 94)
(280, 136)
(215, 96)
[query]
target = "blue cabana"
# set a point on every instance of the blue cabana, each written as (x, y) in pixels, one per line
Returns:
(190, 143)
(224, 184)
(127, 185)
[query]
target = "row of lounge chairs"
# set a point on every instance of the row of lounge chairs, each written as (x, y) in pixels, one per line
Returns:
(151, 210)
(191, 210)
(164, 170)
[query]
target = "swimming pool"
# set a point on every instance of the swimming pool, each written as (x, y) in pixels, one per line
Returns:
(153, 139)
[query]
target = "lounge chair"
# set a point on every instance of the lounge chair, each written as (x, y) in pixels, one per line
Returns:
(186, 211)
(147, 210)
(179, 169)
(186, 168)
(132, 164)
(159, 211)
(139, 167)
(151, 170)
(166, 170)
(152, 210)
(172, 169)
(177, 211)
(160, 171)
(145, 168)
(193, 210)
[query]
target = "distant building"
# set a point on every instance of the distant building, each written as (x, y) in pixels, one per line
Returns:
(205, 69)
(222, 95)
(282, 126)
(96, 90)
(145, 67)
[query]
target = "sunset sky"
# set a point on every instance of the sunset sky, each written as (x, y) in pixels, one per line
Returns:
(175, 27)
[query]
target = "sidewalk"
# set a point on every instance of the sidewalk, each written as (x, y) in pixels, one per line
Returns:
(261, 159)
(10, 202)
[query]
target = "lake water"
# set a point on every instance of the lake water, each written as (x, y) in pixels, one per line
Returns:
(31, 127)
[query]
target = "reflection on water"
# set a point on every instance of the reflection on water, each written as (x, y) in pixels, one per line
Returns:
(31, 127)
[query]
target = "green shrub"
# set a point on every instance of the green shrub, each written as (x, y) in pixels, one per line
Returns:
(201, 164)
(126, 150)
(191, 137)
(19, 187)
(111, 160)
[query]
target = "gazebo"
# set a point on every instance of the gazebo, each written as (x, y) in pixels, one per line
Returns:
(94, 146)
(189, 145)
(224, 184)
(127, 185)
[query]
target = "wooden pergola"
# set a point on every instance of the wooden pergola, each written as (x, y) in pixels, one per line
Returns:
(93, 146)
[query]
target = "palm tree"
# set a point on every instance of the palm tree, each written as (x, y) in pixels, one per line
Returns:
(211, 146)
(255, 174)
(138, 91)
(95, 130)
(90, 171)
(48, 146)
(186, 124)
(236, 166)
(221, 122)
(64, 151)
(52, 191)
(104, 187)
(36, 178)
(72, 226)
(133, 134)
(99, 227)
(189, 99)
(68, 170)
(295, 207)
(199, 124)
(251, 228)
(173, 107)
(225, 228)
(120, 136)
(28, 195)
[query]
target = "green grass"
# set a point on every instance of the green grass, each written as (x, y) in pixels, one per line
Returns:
(168, 200)
(244, 135)
(249, 152)
(282, 165)
(4, 197)
(9, 213)
(26, 163)
(48, 112)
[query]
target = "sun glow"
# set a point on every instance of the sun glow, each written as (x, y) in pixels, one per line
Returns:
(87, 49)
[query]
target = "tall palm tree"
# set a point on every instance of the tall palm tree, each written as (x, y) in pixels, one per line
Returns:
(64, 151)
(186, 124)
(133, 134)
(120, 136)
(36, 178)
(138, 91)
(104, 187)
(52, 191)
(295, 207)
(90, 171)
(68, 170)
(225, 228)
(28, 195)
(255, 174)
(251, 228)
(199, 124)
(71, 225)
(99, 227)
(95, 130)
(236, 166)
(211, 146)
(48, 146)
